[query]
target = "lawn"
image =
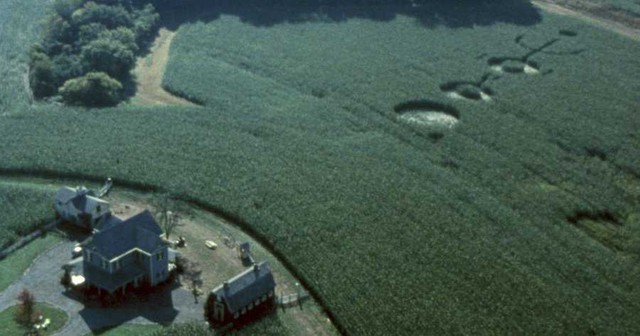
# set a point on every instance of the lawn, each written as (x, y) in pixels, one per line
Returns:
(25, 207)
(522, 218)
(13, 266)
(129, 330)
(9, 327)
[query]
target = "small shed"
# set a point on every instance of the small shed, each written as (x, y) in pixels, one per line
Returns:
(243, 296)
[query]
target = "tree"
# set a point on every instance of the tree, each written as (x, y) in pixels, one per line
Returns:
(145, 22)
(41, 78)
(192, 274)
(89, 32)
(169, 212)
(110, 16)
(57, 33)
(65, 67)
(24, 315)
(123, 35)
(110, 56)
(65, 8)
(94, 89)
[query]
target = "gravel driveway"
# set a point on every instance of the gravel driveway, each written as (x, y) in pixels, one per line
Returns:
(43, 280)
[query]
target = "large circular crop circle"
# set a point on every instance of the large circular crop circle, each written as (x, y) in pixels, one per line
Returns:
(427, 113)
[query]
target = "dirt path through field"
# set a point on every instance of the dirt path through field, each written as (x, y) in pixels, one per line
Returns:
(150, 70)
(585, 10)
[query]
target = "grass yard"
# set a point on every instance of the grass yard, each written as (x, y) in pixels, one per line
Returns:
(9, 327)
(520, 219)
(129, 330)
(13, 266)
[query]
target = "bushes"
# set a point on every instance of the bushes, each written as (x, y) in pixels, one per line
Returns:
(83, 37)
(94, 89)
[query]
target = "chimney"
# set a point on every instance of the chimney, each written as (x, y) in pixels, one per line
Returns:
(256, 267)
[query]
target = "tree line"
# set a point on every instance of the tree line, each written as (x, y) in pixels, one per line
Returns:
(88, 49)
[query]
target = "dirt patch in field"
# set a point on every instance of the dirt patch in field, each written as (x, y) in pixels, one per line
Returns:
(606, 17)
(149, 72)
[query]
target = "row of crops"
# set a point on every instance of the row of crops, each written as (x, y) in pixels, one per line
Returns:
(24, 208)
(631, 6)
(17, 33)
(394, 229)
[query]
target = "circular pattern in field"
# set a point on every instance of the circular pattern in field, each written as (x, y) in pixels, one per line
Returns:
(514, 66)
(427, 113)
(466, 90)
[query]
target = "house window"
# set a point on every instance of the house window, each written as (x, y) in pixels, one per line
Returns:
(264, 298)
(257, 301)
(236, 315)
(104, 264)
(244, 310)
(116, 265)
(251, 306)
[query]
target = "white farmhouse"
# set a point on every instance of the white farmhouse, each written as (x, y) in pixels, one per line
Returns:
(80, 206)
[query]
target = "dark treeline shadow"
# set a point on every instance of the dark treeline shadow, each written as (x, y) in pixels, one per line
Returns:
(430, 13)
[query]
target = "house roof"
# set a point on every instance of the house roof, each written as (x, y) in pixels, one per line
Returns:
(108, 221)
(140, 231)
(246, 287)
(111, 281)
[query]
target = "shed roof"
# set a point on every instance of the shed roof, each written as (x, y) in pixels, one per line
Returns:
(140, 231)
(246, 287)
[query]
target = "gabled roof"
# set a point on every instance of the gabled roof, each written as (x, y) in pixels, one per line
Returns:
(65, 194)
(246, 287)
(87, 204)
(108, 221)
(140, 231)
(82, 198)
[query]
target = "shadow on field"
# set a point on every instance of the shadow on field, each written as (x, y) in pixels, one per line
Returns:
(430, 13)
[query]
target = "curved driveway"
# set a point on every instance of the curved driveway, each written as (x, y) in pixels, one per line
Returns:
(43, 280)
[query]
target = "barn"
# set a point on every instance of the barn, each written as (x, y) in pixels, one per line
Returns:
(242, 297)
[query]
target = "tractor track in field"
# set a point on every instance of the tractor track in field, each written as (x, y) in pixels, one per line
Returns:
(617, 21)
(149, 72)
(53, 177)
